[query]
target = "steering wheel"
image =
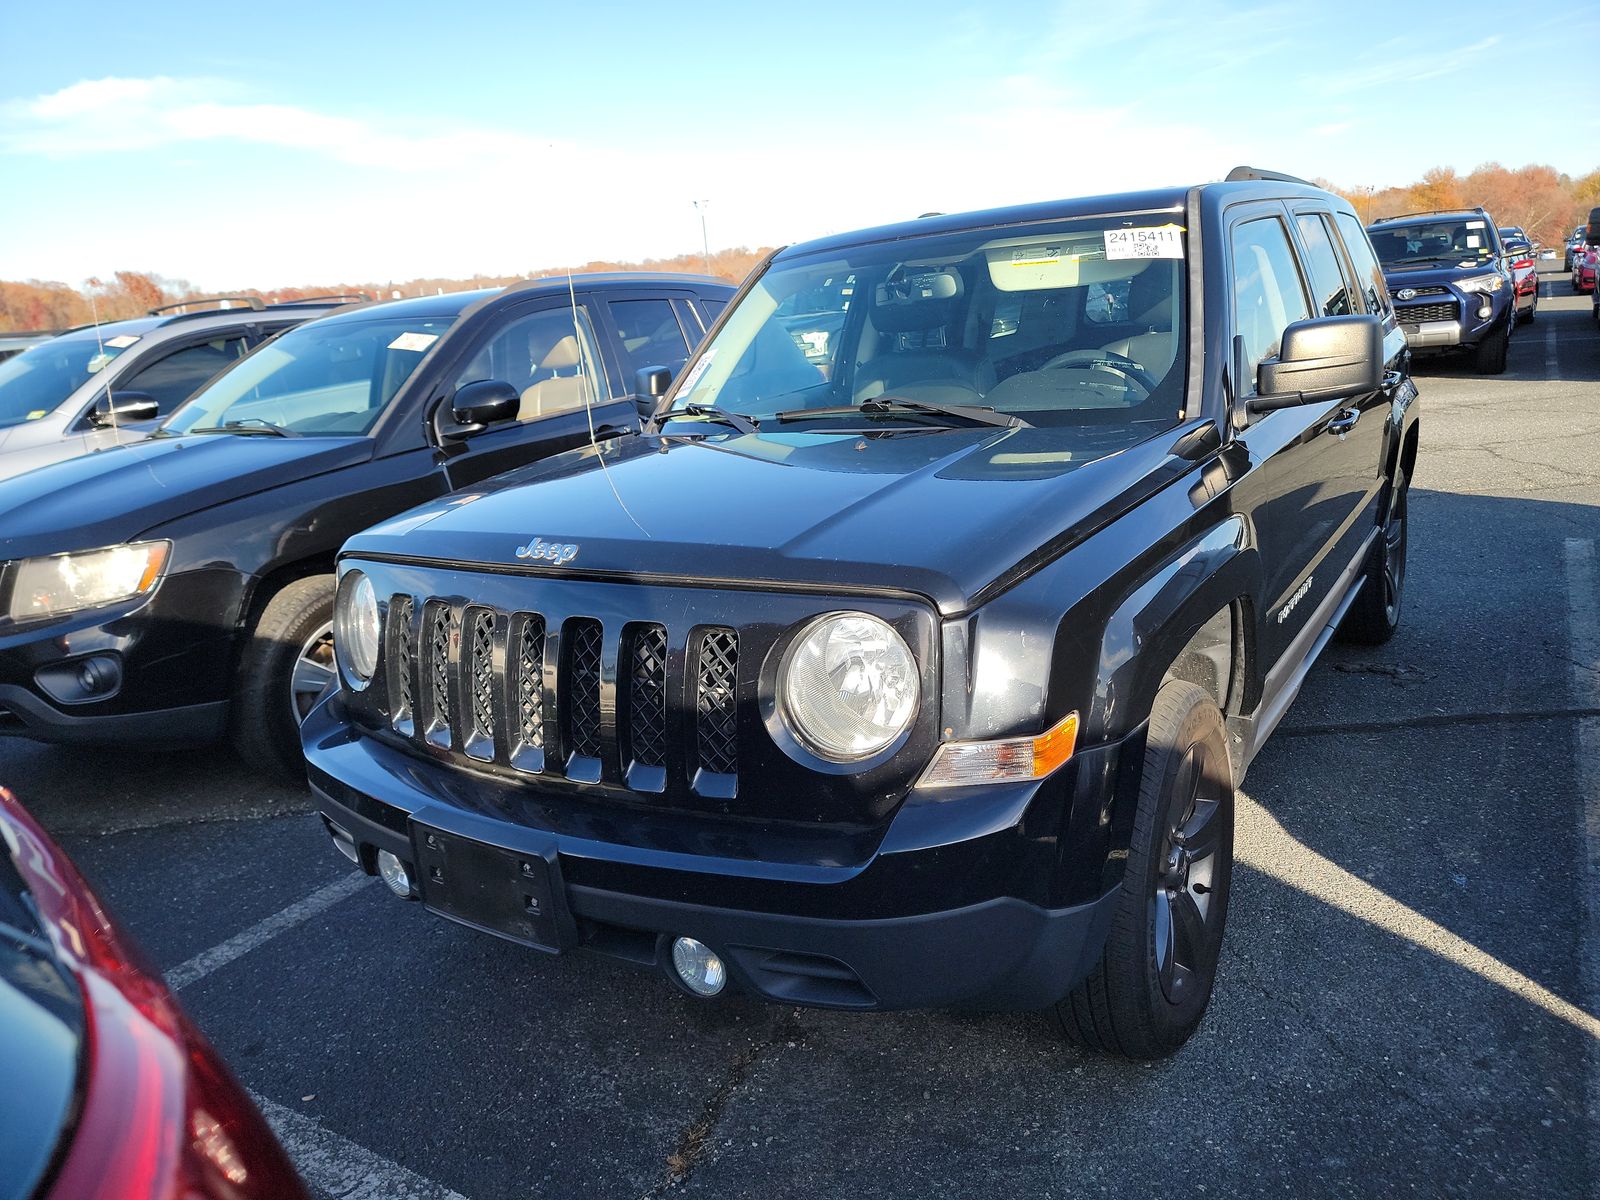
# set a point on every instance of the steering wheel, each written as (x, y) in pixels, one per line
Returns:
(1120, 363)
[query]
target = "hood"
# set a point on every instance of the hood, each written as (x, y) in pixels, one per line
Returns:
(114, 495)
(940, 514)
(1431, 274)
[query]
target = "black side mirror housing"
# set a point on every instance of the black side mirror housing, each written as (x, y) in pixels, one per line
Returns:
(652, 382)
(1324, 358)
(124, 408)
(477, 405)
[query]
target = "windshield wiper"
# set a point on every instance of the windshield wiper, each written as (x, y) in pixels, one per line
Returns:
(249, 425)
(971, 414)
(707, 412)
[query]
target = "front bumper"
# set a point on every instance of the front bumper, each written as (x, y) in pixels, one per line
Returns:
(1466, 329)
(814, 917)
(162, 666)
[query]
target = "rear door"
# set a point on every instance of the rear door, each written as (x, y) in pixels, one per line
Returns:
(1312, 475)
(550, 352)
(649, 329)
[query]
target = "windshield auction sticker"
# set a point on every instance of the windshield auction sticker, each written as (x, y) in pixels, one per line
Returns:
(1162, 241)
(414, 341)
(122, 342)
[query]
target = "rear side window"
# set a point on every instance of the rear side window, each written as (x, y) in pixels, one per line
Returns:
(1329, 287)
(1369, 275)
(650, 336)
(175, 378)
(1268, 295)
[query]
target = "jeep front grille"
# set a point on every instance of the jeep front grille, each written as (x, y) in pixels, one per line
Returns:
(402, 704)
(1414, 314)
(647, 696)
(716, 713)
(441, 628)
(585, 705)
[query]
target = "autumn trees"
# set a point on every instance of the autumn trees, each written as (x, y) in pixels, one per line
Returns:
(1535, 198)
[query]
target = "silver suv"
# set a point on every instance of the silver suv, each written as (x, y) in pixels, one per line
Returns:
(99, 385)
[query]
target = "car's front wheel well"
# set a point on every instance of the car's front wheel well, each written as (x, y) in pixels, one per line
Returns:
(263, 589)
(1214, 658)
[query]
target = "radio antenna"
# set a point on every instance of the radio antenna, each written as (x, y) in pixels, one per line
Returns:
(590, 383)
(92, 283)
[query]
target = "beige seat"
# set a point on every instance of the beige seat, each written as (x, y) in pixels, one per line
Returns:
(558, 393)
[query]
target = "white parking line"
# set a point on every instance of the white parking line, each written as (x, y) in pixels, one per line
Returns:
(338, 1167)
(1552, 367)
(223, 953)
(1583, 641)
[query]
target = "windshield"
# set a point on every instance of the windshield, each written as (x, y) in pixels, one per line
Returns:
(1464, 240)
(328, 378)
(34, 382)
(1069, 324)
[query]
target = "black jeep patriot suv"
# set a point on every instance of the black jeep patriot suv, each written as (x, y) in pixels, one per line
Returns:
(921, 672)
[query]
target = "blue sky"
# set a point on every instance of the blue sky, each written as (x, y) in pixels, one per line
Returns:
(263, 144)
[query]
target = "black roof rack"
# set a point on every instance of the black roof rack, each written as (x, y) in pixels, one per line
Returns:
(1239, 174)
(1436, 212)
(222, 302)
(331, 298)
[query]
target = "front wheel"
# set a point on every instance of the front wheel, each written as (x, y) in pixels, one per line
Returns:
(284, 669)
(1490, 356)
(1154, 979)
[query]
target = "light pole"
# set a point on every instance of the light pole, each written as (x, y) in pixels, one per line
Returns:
(705, 241)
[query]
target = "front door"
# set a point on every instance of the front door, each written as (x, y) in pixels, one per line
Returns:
(1316, 464)
(550, 354)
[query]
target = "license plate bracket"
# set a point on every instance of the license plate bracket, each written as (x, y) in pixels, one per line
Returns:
(514, 894)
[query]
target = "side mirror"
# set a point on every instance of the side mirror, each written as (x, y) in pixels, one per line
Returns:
(652, 382)
(124, 408)
(1325, 358)
(482, 403)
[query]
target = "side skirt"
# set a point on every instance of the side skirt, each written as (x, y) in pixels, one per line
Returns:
(1283, 682)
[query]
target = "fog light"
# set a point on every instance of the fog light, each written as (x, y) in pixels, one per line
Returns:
(1484, 309)
(698, 967)
(394, 873)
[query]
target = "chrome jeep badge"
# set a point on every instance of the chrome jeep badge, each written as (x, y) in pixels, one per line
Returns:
(555, 552)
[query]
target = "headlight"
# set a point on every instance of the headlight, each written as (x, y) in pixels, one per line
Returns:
(64, 583)
(1483, 283)
(355, 629)
(849, 686)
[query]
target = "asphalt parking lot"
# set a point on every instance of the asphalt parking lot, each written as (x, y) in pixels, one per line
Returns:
(1409, 1002)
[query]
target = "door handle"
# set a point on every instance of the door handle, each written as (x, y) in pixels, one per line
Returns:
(1345, 421)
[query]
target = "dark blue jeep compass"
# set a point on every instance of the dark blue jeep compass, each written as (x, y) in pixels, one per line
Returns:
(1451, 284)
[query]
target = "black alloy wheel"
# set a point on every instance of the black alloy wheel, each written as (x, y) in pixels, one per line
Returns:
(1375, 614)
(1149, 991)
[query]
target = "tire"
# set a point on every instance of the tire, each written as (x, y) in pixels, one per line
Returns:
(1490, 356)
(1149, 991)
(289, 654)
(1375, 614)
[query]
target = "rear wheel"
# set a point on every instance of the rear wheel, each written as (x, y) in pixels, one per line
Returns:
(1151, 987)
(1375, 613)
(284, 669)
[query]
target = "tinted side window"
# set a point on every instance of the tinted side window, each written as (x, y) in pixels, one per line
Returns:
(713, 310)
(547, 356)
(650, 335)
(1368, 274)
(1267, 293)
(1329, 287)
(178, 376)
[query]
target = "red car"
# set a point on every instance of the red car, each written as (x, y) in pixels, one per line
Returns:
(107, 1091)
(1584, 268)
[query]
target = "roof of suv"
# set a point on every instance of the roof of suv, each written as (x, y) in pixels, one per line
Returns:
(161, 319)
(453, 304)
(1418, 218)
(1244, 180)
